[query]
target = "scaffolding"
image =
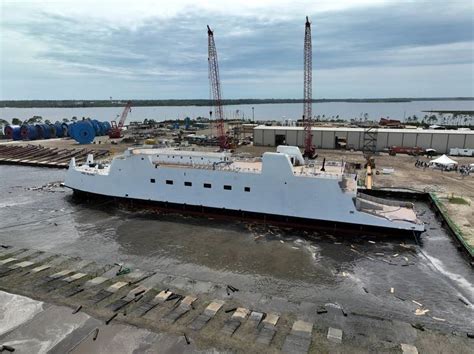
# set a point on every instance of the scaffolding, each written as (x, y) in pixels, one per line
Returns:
(370, 140)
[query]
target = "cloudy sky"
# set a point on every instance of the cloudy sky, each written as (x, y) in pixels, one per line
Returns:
(74, 49)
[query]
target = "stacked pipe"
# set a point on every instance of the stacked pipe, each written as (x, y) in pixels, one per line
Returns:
(83, 131)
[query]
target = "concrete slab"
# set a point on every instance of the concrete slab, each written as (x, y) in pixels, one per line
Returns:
(8, 260)
(408, 349)
(266, 335)
(163, 296)
(188, 300)
(139, 289)
(302, 326)
(115, 338)
(299, 339)
(21, 265)
(213, 307)
(76, 337)
(116, 286)
(241, 313)
(60, 274)
(210, 311)
(296, 345)
(256, 316)
(95, 281)
(183, 308)
(40, 268)
(271, 319)
(16, 310)
(334, 335)
(74, 277)
(45, 330)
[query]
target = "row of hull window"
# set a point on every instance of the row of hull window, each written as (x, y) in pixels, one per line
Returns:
(206, 185)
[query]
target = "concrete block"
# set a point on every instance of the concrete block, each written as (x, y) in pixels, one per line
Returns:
(188, 300)
(132, 293)
(60, 274)
(271, 319)
(40, 268)
(241, 313)
(116, 287)
(213, 307)
(163, 296)
(96, 281)
(408, 349)
(74, 277)
(21, 265)
(6, 261)
(302, 328)
(335, 335)
(256, 316)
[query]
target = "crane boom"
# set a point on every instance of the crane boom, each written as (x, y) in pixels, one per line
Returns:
(216, 91)
(116, 129)
(123, 117)
(309, 148)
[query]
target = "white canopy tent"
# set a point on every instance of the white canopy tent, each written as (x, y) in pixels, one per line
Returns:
(443, 161)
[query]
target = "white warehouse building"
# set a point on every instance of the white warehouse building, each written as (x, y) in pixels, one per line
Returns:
(353, 138)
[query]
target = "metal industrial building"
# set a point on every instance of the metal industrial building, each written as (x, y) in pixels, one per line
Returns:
(353, 138)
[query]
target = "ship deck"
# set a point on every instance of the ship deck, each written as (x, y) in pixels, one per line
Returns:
(336, 170)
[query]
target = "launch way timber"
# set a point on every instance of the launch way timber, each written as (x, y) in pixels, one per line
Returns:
(280, 187)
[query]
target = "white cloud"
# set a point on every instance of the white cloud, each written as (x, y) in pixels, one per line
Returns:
(158, 48)
(131, 13)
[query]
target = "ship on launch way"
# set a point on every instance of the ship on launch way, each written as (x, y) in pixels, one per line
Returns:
(280, 187)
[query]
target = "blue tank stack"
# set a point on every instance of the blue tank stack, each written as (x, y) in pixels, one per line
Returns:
(84, 131)
(59, 130)
(13, 132)
(28, 132)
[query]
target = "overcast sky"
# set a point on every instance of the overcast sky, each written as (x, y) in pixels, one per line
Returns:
(74, 49)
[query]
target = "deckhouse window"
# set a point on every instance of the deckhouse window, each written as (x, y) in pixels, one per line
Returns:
(227, 188)
(168, 181)
(207, 185)
(247, 189)
(188, 184)
(152, 180)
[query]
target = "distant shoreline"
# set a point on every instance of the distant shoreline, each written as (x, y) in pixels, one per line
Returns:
(202, 102)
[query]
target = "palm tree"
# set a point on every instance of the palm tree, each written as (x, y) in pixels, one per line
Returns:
(3, 123)
(34, 120)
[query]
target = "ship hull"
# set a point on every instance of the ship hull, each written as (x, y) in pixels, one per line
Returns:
(330, 227)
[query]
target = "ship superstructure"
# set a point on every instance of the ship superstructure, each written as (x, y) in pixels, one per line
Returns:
(280, 186)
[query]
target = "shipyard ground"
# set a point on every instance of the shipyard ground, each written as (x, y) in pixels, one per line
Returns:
(381, 292)
(406, 175)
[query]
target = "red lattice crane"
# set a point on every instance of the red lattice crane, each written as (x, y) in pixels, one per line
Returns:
(216, 91)
(309, 148)
(116, 129)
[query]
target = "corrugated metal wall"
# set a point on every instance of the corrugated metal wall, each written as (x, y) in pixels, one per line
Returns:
(326, 139)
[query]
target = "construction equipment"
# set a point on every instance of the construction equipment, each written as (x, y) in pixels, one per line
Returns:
(216, 91)
(309, 148)
(116, 130)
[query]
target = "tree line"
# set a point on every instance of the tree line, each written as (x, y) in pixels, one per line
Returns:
(198, 102)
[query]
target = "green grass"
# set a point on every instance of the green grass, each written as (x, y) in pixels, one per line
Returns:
(458, 200)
